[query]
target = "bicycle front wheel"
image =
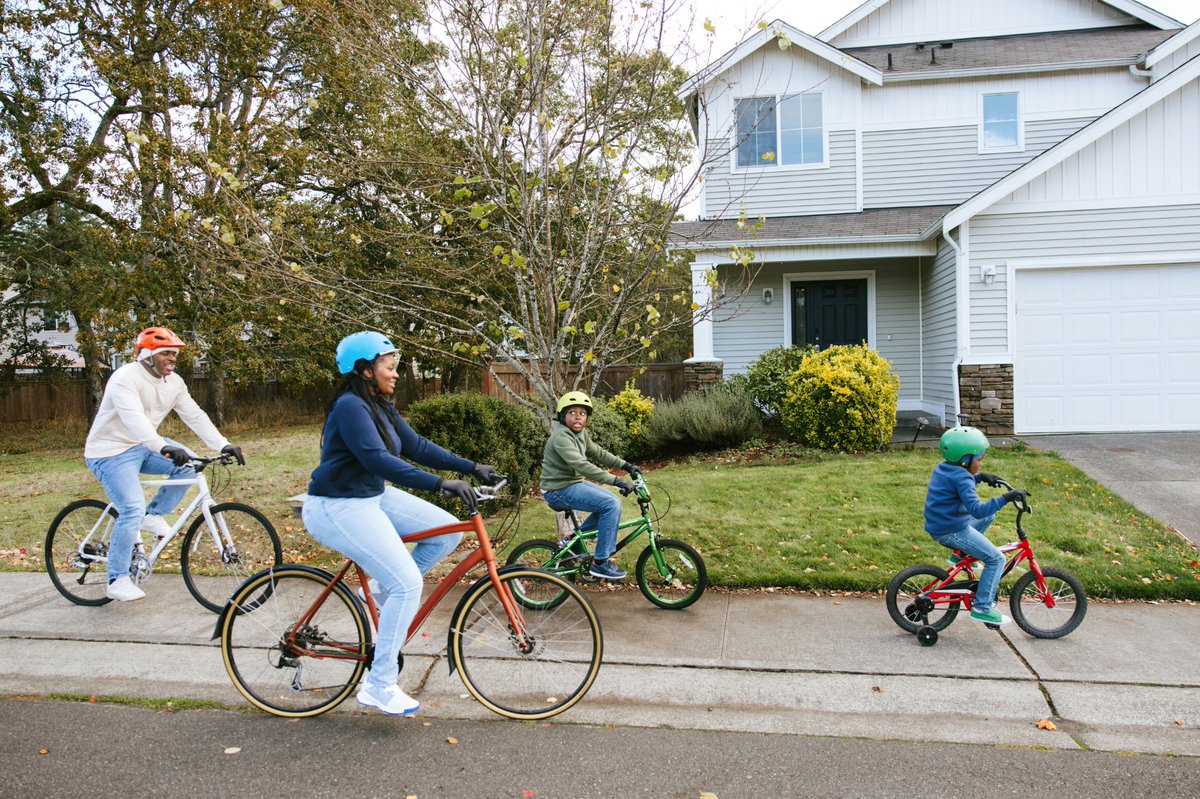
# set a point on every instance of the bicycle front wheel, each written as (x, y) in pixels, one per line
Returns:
(212, 566)
(285, 653)
(1049, 613)
(539, 674)
(904, 590)
(76, 551)
(537, 554)
(680, 580)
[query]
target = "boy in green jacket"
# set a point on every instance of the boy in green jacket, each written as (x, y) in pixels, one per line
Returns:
(569, 457)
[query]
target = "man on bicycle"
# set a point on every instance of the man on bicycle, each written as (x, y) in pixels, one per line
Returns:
(124, 443)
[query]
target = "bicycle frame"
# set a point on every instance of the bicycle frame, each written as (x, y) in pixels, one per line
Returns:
(640, 524)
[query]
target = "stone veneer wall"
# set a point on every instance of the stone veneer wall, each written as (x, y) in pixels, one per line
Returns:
(699, 375)
(986, 396)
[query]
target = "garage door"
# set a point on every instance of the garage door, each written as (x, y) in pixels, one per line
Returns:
(1107, 349)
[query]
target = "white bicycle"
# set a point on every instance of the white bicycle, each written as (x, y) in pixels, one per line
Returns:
(225, 544)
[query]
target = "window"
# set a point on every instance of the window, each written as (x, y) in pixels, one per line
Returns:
(1001, 128)
(787, 130)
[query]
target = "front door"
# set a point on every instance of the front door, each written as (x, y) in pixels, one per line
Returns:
(828, 312)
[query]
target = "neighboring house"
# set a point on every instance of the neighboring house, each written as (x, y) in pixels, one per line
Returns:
(1003, 199)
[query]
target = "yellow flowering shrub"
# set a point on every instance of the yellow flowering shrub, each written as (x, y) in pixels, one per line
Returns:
(842, 398)
(634, 407)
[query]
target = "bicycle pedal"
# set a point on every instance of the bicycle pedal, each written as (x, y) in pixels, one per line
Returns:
(992, 626)
(584, 577)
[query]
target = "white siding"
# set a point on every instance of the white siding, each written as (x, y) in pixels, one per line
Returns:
(1177, 59)
(937, 20)
(941, 166)
(785, 192)
(1154, 154)
(938, 334)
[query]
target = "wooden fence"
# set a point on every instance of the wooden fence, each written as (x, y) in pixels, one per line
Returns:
(662, 381)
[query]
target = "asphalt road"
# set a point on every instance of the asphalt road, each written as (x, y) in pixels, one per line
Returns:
(184, 754)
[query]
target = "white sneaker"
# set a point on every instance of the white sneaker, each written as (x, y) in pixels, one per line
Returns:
(376, 593)
(390, 700)
(157, 525)
(122, 589)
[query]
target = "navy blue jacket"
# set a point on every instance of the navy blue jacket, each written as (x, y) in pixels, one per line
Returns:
(355, 462)
(951, 502)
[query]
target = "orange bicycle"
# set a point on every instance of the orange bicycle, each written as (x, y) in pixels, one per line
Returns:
(296, 639)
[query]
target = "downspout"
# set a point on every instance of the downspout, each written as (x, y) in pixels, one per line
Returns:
(1135, 70)
(959, 332)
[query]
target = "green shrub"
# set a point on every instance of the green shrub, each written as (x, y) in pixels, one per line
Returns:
(607, 428)
(703, 420)
(634, 407)
(485, 430)
(843, 398)
(766, 378)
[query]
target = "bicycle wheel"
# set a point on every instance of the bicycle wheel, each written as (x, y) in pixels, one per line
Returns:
(680, 581)
(1031, 611)
(561, 656)
(298, 675)
(76, 551)
(537, 554)
(211, 573)
(902, 594)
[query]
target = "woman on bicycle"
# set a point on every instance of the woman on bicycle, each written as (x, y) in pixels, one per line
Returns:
(349, 509)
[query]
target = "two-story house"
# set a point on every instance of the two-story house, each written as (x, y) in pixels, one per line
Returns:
(1003, 199)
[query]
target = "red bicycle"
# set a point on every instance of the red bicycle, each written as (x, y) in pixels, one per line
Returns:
(1046, 603)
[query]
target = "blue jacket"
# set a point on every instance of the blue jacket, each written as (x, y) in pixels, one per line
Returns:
(355, 462)
(951, 502)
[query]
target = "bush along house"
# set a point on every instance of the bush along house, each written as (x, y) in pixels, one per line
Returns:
(1003, 199)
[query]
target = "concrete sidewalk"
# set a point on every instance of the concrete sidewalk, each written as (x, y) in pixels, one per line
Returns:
(1127, 680)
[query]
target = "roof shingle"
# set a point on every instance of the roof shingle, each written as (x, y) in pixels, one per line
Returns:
(873, 224)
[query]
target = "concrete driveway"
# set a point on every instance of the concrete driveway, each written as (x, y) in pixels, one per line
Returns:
(1158, 473)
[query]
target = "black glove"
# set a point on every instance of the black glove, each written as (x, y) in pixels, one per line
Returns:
(178, 455)
(1016, 495)
(624, 486)
(459, 488)
(633, 471)
(990, 479)
(235, 451)
(485, 474)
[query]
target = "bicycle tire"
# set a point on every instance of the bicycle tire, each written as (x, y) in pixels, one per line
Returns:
(906, 586)
(281, 679)
(1028, 603)
(84, 582)
(554, 674)
(211, 575)
(685, 581)
(537, 553)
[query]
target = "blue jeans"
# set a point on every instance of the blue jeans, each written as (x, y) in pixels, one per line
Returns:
(368, 530)
(603, 506)
(119, 474)
(972, 540)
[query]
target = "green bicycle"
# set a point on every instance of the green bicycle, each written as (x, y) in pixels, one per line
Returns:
(670, 573)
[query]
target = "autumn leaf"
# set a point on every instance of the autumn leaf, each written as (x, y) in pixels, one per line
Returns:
(709, 26)
(43, 752)
(232, 750)
(1046, 724)
(452, 741)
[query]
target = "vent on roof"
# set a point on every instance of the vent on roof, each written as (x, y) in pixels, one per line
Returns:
(889, 62)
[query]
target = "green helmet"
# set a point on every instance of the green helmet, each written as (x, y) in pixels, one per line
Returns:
(959, 442)
(572, 398)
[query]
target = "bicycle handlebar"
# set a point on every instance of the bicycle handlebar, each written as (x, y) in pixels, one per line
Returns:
(200, 463)
(1022, 504)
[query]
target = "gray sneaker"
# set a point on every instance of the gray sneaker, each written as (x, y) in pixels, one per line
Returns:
(606, 570)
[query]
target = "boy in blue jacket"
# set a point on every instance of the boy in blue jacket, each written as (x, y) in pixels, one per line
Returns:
(955, 517)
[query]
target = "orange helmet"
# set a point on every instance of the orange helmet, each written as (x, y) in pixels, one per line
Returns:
(153, 339)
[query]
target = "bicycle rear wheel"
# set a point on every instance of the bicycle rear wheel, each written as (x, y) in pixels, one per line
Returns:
(286, 667)
(681, 580)
(76, 551)
(902, 596)
(1031, 608)
(560, 657)
(211, 573)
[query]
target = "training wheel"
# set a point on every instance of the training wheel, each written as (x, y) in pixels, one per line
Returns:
(927, 636)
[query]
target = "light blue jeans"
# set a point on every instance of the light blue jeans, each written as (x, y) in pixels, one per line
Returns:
(972, 540)
(368, 530)
(603, 507)
(119, 474)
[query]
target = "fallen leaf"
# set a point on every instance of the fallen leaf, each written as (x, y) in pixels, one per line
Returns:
(92, 699)
(427, 724)
(452, 741)
(876, 689)
(1046, 724)
(528, 794)
(411, 796)
(1179, 722)
(232, 750)
(707, 795)
(43, 752)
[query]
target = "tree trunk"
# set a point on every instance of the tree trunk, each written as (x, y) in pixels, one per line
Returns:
(93, 390)
(216, 394)
(458, 380)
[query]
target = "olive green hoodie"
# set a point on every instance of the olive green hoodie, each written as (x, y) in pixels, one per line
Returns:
(567, 459)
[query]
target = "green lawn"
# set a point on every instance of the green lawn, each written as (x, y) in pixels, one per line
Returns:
(774, 516)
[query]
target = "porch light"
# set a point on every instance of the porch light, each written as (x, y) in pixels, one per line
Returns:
(768, 296)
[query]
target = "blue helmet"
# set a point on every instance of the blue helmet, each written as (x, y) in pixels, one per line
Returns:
(367, 345)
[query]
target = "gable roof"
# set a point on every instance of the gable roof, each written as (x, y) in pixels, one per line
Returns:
(1071, 145)
(1130, 7)
(1026, 52)
(872, 225)
(1180, 39)
(798, 38)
